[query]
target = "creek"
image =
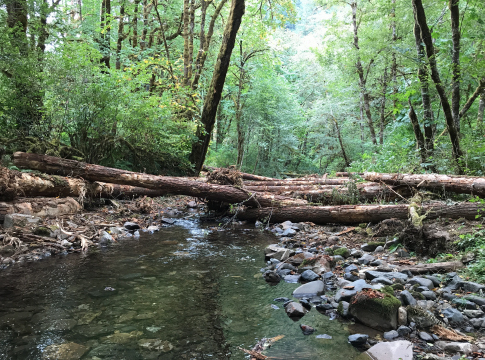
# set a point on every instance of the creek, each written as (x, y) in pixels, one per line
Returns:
(197, 289)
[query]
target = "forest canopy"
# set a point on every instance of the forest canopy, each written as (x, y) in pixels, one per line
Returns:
(311, 86)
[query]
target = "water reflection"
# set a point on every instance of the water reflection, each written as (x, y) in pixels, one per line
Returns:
(187, 292)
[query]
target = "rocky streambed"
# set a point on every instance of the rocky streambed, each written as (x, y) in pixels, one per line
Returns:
(363, 275)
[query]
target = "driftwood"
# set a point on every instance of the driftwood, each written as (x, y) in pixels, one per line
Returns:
(40, 207)
(433, 268)
(457, 184)
(14, 184)
(165, 184)
(352, 214)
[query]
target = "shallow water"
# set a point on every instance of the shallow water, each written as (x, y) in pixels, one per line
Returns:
(198, 290)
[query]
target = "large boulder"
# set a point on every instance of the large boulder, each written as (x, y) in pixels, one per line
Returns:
(375, 309)
(370, 275)
(396, 350)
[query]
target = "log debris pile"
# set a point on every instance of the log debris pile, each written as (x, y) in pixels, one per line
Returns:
(318, 199)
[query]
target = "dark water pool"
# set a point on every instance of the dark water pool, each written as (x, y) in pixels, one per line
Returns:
(187, 292)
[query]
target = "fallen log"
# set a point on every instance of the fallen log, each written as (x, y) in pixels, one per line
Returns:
(245, 176)
(299, 182)
(353, 214)
(457, 184)
(348, 174)
(432, 268)
(40, 207)
(14, 184)
(165, 184)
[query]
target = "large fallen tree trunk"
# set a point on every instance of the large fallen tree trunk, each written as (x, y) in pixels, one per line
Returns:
(165, 184)
(337, 194)
(245, 176)
(15, 184)
(306, 181)
(40, 207)
(352, 214)
(457, 184)
(432, 268)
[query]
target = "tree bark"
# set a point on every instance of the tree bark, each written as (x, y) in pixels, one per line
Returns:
(362, 77)
(213, 97)
(455, 62)
(383, 107)
(479, 90)
(417, 132)
(166, 185)
(354, 214)
(481, 109)
(121, 35)
(420, 19)
(426, 99)
(105, 26)
(300, 181)
(344, 154)
(457, 184)
(394, 59)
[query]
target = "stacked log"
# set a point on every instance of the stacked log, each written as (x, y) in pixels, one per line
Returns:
(260, 198)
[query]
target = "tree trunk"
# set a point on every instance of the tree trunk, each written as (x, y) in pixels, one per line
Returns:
(457, 184)
(300, 181)
(134, 38)
(344, 154)
(481, 109)
(480, 88)
(455, 62)
(426, 99)
(211, 102)
(435, 268)
(105, 25)
(121, 35)
(417, 132)
(394, 60)
(362, 78)
(383, 107)
(166, 185)
(420, 19)
(354, 214)
(43, 207)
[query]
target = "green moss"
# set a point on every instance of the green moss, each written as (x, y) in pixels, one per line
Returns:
(340, 308)
(42, 231)
(387, 290)
(389, 304)
(344, 252)
(369, 231)
(418, 295)
(307, 262)
(330, 252)
(362, 225)
(376, 243)
(397, 286)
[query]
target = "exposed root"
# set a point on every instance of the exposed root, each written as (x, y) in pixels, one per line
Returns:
(225, 176)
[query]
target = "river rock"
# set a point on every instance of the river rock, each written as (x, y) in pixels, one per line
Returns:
(169, 221)
(381, 280)
(421, 282)
(390, 335)
(66, 351)
(307, 330)
(351, 277)
(370, 275)
(356, 253)
(402, 316)
(421, 317)
(453, 315)
(429, 295)
(480, 301)
(473, 313)
(366, 259)
(271, 276)
(294, 309)
(434, 279)
(131, 226)
(20, 220)
(351, 268)
(121, 338)
(454, 347)
(403, 330)
(309, 275)
(105, 238)
(358, 339)
(309, 289)
(407, 298)
(396, 350)
(376, 310)
(426, 337)
(155, 345)
(351, 289)
(464, 304)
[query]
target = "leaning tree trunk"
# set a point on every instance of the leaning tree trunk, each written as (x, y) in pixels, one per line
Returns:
(457, 184)
(354, 214)
(213, 97)
(165, 184)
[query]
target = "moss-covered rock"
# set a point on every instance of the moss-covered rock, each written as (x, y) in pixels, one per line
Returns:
(344, 252)
(417, 295)
(397, 286)
(375, 309)
(42, 231)
(422, 318)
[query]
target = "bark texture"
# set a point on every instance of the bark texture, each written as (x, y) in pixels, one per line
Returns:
(40, 207)
(353, 214)
(165, 184)
(457, 184)
(432, 268)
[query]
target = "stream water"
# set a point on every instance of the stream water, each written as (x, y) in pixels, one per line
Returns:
(187, 292)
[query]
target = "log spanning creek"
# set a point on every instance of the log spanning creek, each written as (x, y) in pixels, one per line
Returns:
(187, 292)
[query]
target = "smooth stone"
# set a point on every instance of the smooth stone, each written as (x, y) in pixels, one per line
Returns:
(294, 309)
(464, 304)
(366, 259)
(370, 275)
(396, 350)
(425, 336)
(309, 275)
(292, 279)
(307, 330)
(356, 253)
(381, 280)
(421, 282)
(476, 299)
(407, 298)
(389, 335)
(379, 249)
(473, 313)
(402, 316)
(323, 336)
(66, 351)
(347, 294)
(131, 225)
(350, 268)
(351, 277)
(403, 330)
(309, 289)
(429, 295)
(453, 315)
(453, 347)
(434, 279)
(358, 339)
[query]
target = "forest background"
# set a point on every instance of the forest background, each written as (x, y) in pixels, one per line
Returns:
(312, 87)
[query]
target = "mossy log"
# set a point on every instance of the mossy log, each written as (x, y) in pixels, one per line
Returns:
(354, 214)
(164, 184)
(448, 183)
